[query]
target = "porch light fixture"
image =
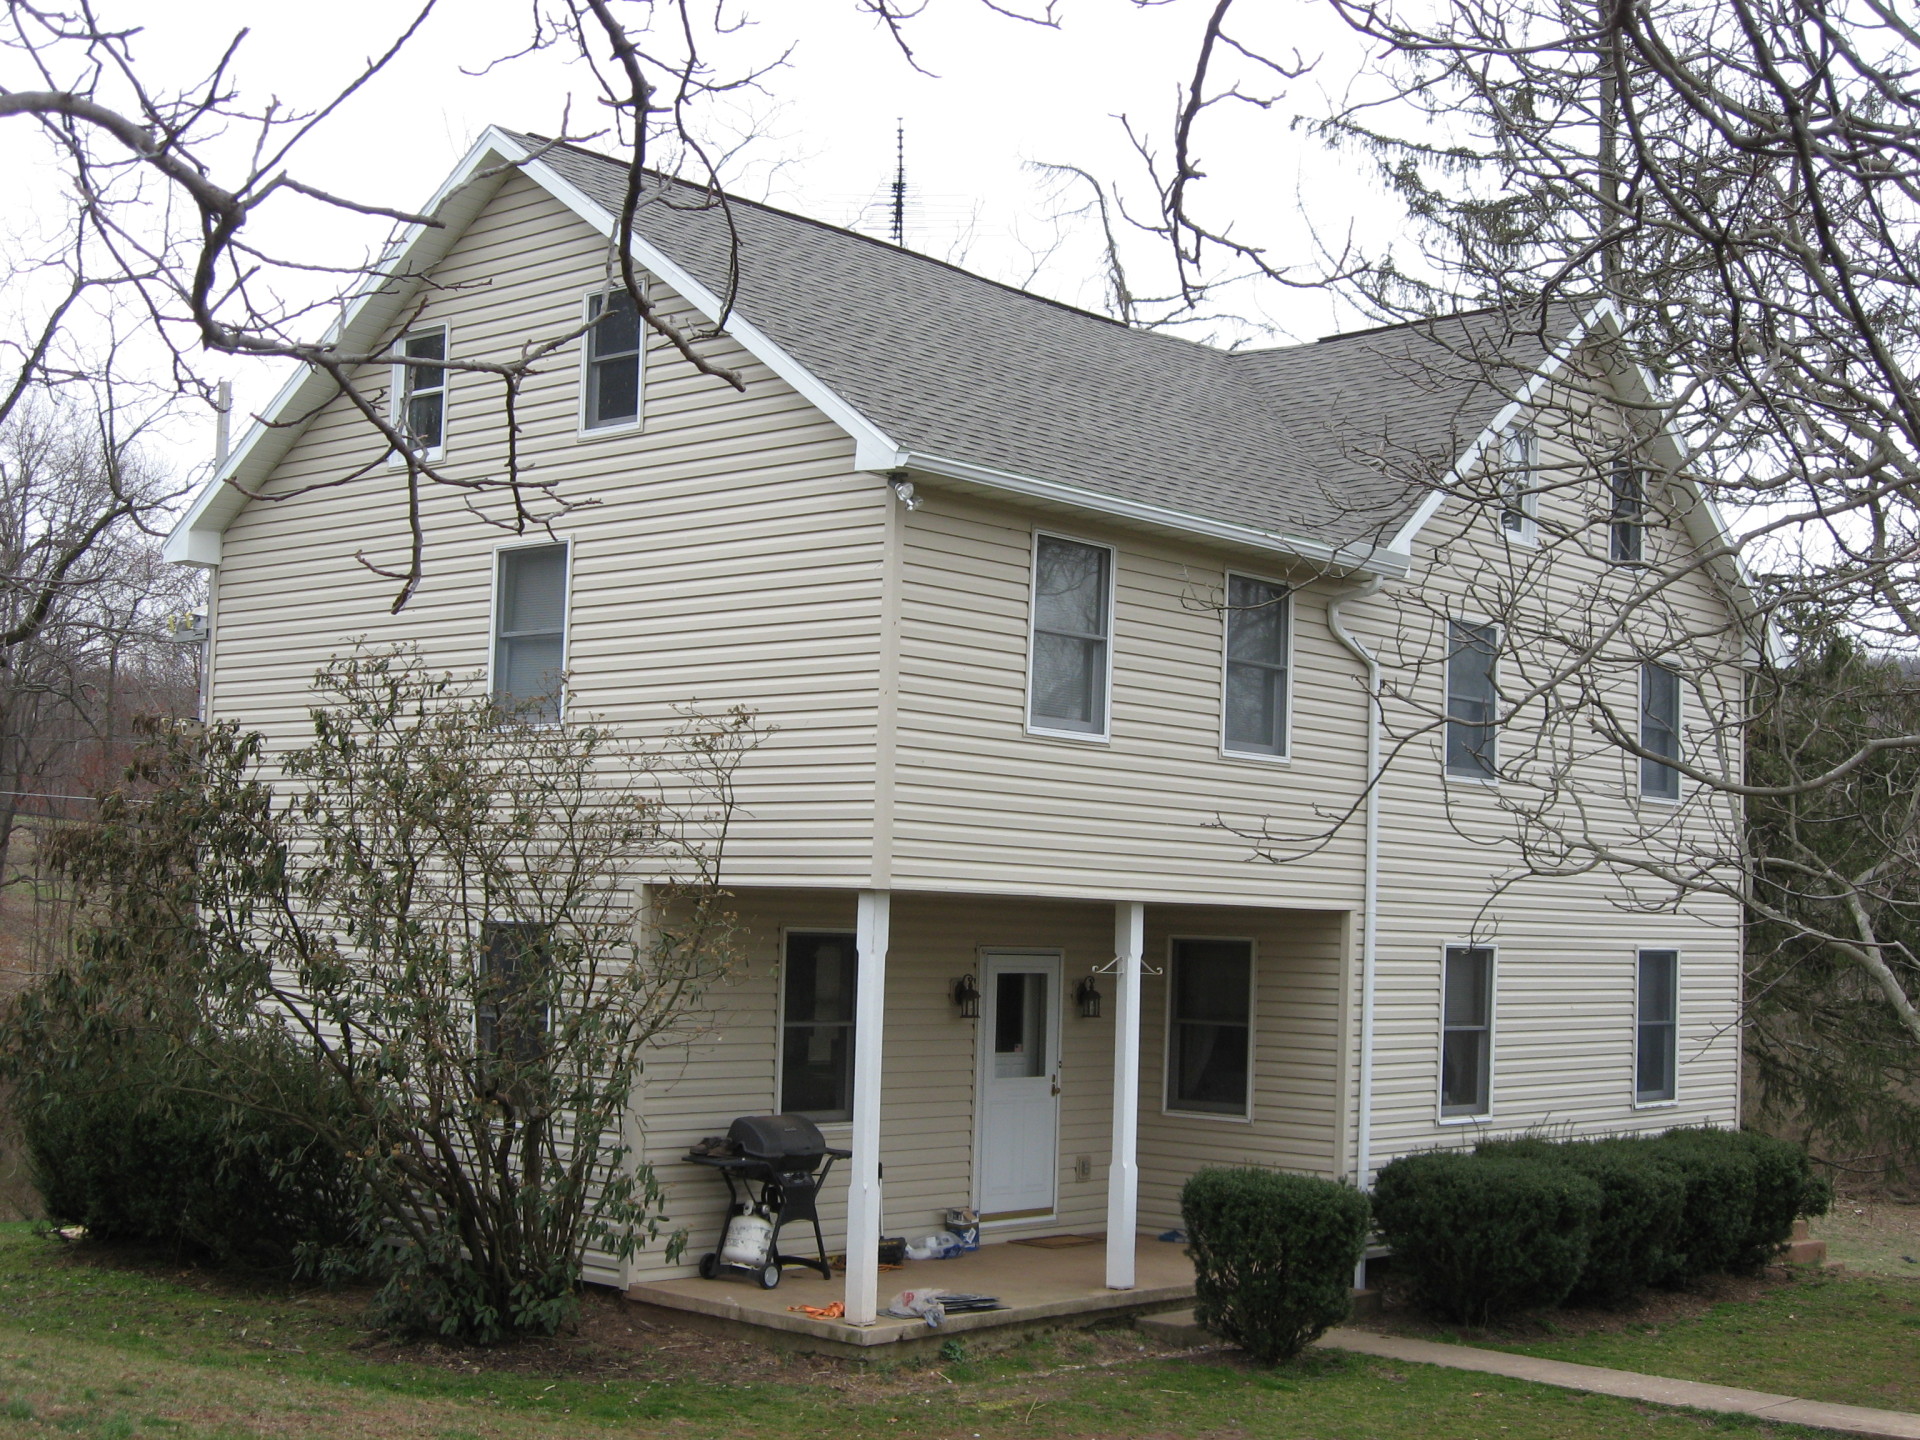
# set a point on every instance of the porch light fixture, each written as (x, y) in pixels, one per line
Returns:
(1087, 996)
(966, 997)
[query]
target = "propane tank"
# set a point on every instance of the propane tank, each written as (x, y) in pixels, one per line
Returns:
(748, 1240)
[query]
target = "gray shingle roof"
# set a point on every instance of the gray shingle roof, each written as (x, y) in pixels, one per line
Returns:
(1324, 441)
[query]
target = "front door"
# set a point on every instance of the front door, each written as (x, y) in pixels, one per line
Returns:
(1018, 1143)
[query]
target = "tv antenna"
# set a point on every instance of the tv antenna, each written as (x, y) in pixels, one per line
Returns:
(899, 229)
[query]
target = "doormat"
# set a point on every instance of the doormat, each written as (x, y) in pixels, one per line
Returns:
(1062, 1242)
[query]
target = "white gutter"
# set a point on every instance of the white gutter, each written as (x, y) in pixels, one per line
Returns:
(1370, 885)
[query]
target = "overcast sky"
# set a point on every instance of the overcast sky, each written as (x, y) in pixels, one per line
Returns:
(1001, 96)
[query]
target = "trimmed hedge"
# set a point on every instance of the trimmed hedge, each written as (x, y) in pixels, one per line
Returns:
(1273, 1256)
(1784, 1188)
(1642, 1208)
(1479, 1236)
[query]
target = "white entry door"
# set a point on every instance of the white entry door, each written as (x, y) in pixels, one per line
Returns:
(1018, 1140)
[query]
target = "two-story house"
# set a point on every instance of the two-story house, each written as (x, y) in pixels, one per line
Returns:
(1054, 620)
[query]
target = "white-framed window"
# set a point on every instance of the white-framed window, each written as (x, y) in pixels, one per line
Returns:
(1627, 525)
(1472, 700)
(1259, 646)
(530, 630)
(1210, 1027)
(1656, 1049)
(819, 970)
(511, 1017)
(1519, 493)
(1466, 1032)
(613, 358)
(1070, 651)
(1659, 730)
(421, 411)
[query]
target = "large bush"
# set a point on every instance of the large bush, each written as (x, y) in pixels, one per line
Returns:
(130, 1133)
(1783, 1188)
(1642, 1205)
(1273, 1256)
(1479, 1236)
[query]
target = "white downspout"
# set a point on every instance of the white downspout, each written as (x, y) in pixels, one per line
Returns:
(1370, 884)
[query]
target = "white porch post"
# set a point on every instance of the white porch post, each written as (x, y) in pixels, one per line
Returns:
(1123, 1171)
(863, 1193)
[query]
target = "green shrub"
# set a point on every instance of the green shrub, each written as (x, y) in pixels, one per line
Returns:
(1273, 1256)
(1718, 1211)
(1479, 1236)
(1784, 1189)
(127, 1134)
(1642, 1203)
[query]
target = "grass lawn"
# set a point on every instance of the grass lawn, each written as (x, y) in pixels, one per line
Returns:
(94, 1344)
(1852, 1339)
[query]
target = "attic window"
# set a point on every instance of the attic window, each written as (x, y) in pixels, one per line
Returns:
(423, 391)
(613, 357)
(1519, 497)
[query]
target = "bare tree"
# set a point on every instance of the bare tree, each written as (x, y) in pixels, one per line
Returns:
(1740, 181)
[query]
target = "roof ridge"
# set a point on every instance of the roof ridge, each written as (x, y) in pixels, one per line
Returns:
(875, 240)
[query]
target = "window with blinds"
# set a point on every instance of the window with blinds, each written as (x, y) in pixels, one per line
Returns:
(1466, 1026)
(1258, 617)
(613, 362)
(1659, 731)
(1210, 1027)
(530, 631)
(1072, 634)
(1657, 1015)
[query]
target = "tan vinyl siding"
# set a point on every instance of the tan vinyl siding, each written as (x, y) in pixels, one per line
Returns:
(724, 554)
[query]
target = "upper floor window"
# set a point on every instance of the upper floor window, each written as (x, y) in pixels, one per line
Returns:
(613, 362)
(1659, 730)
(1657, 1017)
(1209, 1048)
(1258, 622)
(816, 1025)
(530, 630)
(1627, 524)
(1072, 636)
(423, 391)
(1466, 1031)
(1520, 500)
(1472, 736)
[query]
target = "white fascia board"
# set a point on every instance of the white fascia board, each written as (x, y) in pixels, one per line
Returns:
(873, 449)
(1357, 557)
(196, 538)
(1470, 457)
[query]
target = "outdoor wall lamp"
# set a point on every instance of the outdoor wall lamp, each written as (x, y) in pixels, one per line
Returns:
(1087, 996)
(966, 997)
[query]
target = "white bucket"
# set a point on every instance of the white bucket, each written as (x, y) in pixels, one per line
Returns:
(749, 1238)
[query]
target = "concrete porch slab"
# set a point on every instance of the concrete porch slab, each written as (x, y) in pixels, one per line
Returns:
(1038, 1287)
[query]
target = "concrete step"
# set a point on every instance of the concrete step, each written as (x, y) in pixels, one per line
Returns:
(1805, 1252)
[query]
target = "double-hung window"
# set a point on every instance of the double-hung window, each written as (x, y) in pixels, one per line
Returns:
(1466, 1031)
(511, 1013)
(1656, 1018)
(613, 362)
(423, 391)
(530, 631)
(1519, 499)
(1659, 731)
(1209, 1049)
(1072, 636)
(816, 1025)
(1472, 735)
(1627, 522)
(1258, 620)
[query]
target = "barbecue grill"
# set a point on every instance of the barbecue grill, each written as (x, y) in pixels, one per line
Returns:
(774, 1166)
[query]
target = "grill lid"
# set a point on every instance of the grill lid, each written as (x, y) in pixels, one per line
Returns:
(789, 1142)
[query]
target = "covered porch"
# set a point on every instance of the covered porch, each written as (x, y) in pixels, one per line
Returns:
(1060, 1066)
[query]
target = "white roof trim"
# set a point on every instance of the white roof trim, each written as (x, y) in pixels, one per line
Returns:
(1356, 557)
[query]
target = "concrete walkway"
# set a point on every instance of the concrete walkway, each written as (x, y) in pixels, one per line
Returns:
(1652, 1389)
